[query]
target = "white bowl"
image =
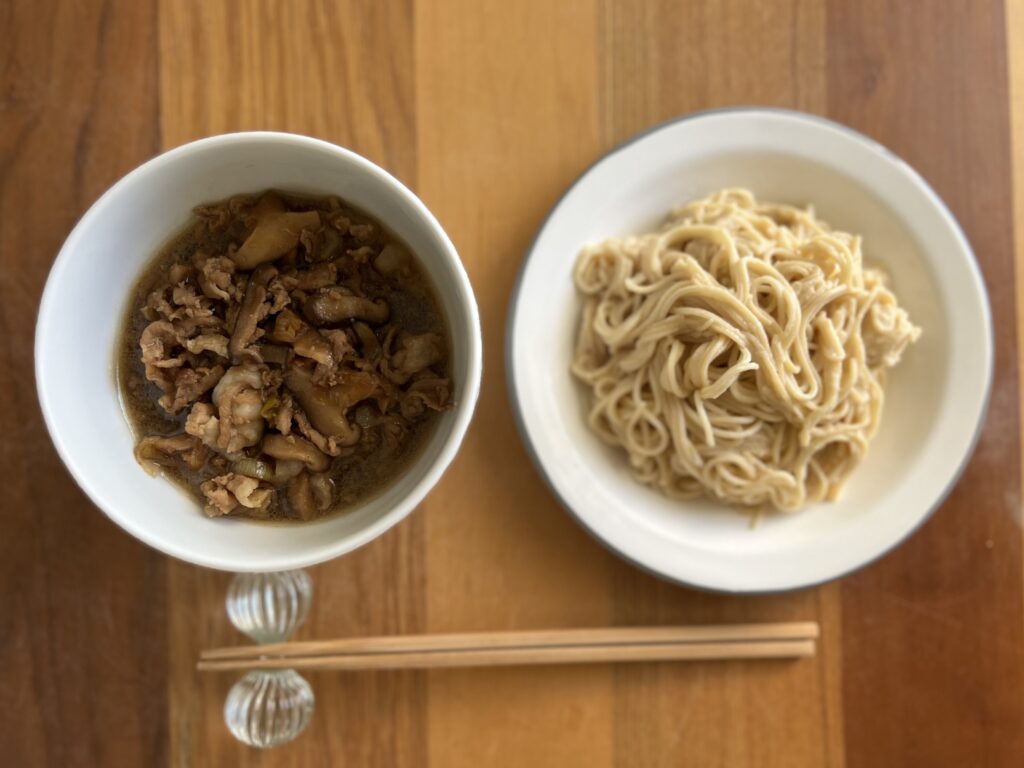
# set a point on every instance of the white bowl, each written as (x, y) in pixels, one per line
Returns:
(935, 399)
(85, 301)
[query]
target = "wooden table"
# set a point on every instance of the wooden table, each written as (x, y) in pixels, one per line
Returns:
(489, 110)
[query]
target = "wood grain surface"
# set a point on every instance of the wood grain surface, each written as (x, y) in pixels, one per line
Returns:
(488, 110)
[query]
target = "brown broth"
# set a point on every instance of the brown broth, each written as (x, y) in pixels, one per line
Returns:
(356, 478)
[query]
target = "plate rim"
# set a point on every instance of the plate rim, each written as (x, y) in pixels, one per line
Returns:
(752, 111)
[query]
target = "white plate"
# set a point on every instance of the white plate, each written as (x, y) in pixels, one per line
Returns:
(935, 399)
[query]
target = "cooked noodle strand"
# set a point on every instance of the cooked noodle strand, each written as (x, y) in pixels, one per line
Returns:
(739, 353)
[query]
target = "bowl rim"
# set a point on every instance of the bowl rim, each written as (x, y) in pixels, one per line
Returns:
(438, 462)
(752, 111)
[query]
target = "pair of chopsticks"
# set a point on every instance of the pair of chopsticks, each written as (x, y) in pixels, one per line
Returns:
(491, 649)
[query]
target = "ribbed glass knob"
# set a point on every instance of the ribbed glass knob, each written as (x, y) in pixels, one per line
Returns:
(267, 708)
(269, 606)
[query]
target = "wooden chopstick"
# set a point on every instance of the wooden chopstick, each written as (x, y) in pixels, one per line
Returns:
(522, 656)
(754, 641)
(527, 638)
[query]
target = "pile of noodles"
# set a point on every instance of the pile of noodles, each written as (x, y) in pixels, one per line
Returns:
(740, 352)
